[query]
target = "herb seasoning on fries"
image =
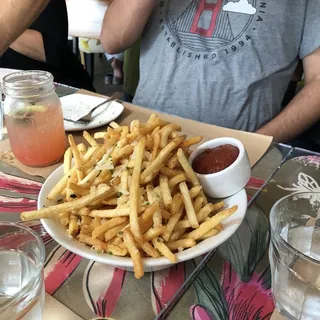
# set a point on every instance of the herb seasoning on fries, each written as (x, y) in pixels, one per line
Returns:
(132, 192)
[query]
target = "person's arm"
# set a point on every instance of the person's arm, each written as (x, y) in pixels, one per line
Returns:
(30, 44)
(304, 110)
(15, 17)
(123, 23)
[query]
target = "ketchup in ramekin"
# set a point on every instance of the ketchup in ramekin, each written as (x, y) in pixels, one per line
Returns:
(215, 159)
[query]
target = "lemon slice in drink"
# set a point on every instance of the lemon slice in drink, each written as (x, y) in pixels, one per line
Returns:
(35, 108)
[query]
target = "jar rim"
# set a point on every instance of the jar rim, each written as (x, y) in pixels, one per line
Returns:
(39, 77)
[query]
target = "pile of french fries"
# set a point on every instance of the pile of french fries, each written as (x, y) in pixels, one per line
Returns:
(132, 192)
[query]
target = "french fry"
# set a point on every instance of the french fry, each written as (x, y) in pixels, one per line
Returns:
(195, 191)
(95, 157)
(165, 190)
(111, 202)
(159, 245)
(99, 135)
(76, 156)
(77, 189)
(124, 180)
(73, 225)
(145, 221)
(82, 148)
(171, 173)
(110, 213)
(102, 193)
(124, 132)
(173, 162)
(87, 156)
(58, 188)
(95, 243)
(89, 138)
(157, 219)
(212, 223)
(102, 246)
(153, 233)
(219, 227)
(162, 156)
(166, 215)
(85, 220)
(209, 234)
(103, 228)
(134, 189)
(116, 241)
(64, 218)
(176, 180)
(156, 144)
(134, 253)
(170, 226)
(207, 209)
(197, 204)
(122, 153)
(149, 250)
(187, 168)
(181, 244)
(135, 124)
(96, 222)
(177, 203)
(188, 205)
(165, 133)
(190, 142)
(114, 231)
(202, 215)
(177, 234)
(88, 180)
(67, 161)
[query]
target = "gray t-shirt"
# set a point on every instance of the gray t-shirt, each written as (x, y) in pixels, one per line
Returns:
(223, 62)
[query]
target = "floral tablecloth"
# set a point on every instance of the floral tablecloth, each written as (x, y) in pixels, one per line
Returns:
(234, 284)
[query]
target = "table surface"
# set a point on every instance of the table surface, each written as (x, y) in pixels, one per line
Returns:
(85, 17)
(232, 282)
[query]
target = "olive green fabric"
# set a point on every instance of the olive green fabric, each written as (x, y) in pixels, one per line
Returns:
(131, 68)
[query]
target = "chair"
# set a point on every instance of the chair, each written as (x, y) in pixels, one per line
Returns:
(88, 48)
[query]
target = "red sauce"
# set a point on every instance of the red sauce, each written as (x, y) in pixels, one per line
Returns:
(216, 159)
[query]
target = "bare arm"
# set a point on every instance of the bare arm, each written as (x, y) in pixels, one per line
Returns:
(123, 23)
(15, 17)
(30, 44)
(304, 110)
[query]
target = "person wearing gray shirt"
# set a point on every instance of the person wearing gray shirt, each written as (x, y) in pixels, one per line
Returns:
(223, 62)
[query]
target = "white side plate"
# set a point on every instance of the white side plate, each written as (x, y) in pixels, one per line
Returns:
(77, 103)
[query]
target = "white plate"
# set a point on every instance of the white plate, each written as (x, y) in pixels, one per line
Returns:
(58, 232)
(81, 104)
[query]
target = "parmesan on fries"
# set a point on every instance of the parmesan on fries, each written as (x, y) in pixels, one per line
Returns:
(130, 191)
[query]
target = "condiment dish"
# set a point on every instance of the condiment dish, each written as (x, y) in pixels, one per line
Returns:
(230, 180)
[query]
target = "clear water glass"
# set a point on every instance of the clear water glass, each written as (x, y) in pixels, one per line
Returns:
(22, 256)
(295, 255)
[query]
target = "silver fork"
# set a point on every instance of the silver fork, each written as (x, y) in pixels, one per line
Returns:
(88, 117)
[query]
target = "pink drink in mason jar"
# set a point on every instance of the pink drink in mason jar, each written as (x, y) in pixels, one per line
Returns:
(33, 117)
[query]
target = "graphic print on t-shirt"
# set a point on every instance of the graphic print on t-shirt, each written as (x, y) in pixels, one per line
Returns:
(207, 25)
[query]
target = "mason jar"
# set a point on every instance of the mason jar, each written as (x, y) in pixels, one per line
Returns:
(33, 118)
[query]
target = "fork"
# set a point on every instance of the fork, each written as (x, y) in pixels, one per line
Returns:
(88, 117)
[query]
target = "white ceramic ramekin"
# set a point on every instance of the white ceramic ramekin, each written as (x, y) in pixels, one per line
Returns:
(229, 181)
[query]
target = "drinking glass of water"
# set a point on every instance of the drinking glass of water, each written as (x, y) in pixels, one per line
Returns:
(295, 255)
(22, 255)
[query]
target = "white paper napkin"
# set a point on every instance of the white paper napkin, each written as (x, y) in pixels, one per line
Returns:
(75, 106)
